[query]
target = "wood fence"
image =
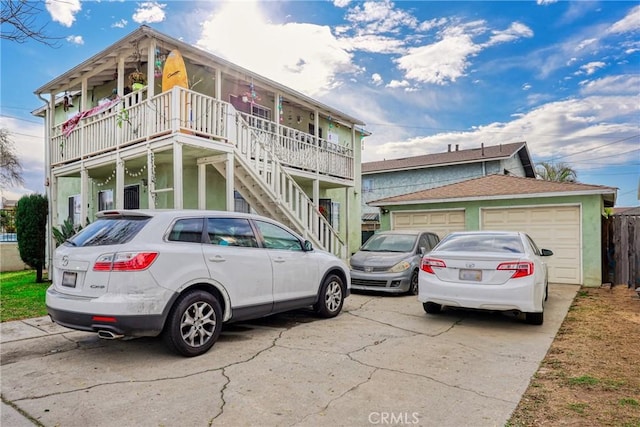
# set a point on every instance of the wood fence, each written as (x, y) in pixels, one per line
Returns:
(621, 250)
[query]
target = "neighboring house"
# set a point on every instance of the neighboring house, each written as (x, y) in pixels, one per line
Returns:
(563, 217)
(233, 140)
(393, 177)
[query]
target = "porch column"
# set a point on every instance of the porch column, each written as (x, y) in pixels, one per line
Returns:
(218, 93)
(347, 209)
(229, 176)
(84, 99)
(151, 180)
(202, 186)
(151, 70)
(50, 188)
(119, 182)
(178, 201)
(84, 194)
(121, 76)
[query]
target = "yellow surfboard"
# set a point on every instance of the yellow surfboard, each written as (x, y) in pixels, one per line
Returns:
(174, 72)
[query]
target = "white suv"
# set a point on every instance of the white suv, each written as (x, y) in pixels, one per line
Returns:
(183, 273)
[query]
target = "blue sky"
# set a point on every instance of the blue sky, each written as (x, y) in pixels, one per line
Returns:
(562, 76)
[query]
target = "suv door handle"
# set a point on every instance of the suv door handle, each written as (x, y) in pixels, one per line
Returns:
(217, 258)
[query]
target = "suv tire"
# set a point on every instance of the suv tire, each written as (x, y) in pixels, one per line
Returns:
(194, 323)
(331, 297)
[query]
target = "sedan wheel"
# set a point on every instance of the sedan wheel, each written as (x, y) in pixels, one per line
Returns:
(194, 324)
(331, 297)
(413, 284)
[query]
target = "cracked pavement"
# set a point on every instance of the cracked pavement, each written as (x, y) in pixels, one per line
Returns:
(383, 361)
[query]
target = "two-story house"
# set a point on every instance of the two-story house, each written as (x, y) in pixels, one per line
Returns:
(394, 177)
(227, 138)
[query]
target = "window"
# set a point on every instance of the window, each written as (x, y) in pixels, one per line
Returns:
(187, 230)
(105, 200)
(231, 232)
(240, 204)
(275, 237)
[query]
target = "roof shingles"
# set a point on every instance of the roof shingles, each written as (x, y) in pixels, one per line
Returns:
(450, 157)
(495, 186)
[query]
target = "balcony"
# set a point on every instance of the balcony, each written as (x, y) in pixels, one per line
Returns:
(136, 119)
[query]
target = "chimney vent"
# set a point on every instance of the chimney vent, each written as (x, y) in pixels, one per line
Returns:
(482, 148)
(457, 147)
(449, 148)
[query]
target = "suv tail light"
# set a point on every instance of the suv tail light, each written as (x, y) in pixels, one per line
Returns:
(125, 261)
(520, 269)
(428, 264)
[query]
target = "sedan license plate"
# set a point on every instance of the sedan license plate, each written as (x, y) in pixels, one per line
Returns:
(471, 275)
(69, 279)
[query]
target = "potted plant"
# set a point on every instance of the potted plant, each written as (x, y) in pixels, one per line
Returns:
(137, 80)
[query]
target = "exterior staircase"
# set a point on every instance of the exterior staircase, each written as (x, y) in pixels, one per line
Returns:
(271, 191)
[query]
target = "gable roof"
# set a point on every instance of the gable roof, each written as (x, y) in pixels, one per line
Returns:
(499, 187)
(474, 155)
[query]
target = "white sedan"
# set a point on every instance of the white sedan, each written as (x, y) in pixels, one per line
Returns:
(487, 270)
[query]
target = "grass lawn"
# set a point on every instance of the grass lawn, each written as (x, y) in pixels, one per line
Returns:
(20, 296)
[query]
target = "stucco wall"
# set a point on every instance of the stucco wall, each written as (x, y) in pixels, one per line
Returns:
(591, 221)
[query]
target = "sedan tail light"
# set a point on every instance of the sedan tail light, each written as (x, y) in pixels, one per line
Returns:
(428, 264)
(125, 261)
(520, 268)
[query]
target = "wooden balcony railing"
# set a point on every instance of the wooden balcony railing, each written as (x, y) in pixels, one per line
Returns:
(135, 119)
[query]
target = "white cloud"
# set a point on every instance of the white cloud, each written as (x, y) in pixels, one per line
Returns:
(373, 43)
(376, 79)
(394, 84)
(439, 63)
(546, 2)
(629, 23)
(149, 12)
(75, 40)
(306, 57)
(341, 3)
(553, 130)
(591, 67)
(63, 12)
(375, 17)
(613, 85)
(526, 86)
(120, 24)
(516, 31)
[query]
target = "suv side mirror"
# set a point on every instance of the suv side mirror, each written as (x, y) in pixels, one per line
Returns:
(546, 252)
(307, 246)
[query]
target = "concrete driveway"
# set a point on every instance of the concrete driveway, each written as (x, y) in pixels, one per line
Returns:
(383, 361)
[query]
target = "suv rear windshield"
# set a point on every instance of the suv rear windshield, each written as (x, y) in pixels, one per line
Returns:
(109, 231)
(481, 243)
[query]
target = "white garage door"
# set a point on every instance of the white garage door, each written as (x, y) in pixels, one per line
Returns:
(552, 227)
(440, 222)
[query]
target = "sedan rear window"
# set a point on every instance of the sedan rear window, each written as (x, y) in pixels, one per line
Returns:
(109, 231)
(481, 243)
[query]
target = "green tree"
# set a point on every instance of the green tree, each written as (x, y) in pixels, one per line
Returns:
(31, 229)
(558, 172)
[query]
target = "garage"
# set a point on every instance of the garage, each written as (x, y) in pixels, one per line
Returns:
(551, 227)
(441, 222)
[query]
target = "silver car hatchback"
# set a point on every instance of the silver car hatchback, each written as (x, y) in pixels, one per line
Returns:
(390, 260)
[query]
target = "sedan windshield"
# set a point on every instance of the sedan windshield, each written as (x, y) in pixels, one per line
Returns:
(390, 243)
